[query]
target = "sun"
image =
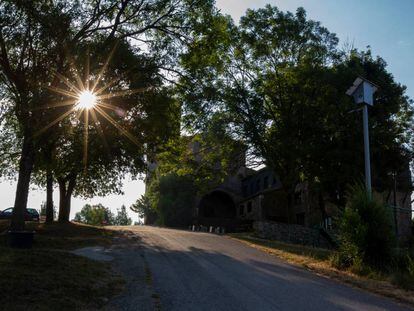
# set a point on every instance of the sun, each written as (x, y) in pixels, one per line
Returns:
(89, 101)
(86, 100)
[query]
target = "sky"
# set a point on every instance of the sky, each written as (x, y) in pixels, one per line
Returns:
(385, 25)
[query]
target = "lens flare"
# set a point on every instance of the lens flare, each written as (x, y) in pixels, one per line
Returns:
(86, 100)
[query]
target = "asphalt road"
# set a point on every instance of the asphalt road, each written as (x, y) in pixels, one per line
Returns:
(201, 271)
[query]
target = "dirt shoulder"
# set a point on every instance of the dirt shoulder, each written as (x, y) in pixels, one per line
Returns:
(317, 261)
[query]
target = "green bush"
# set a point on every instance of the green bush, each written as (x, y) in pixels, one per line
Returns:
(366, 232)
(403, 269)
(96, 215)
(173, 197)
(347, 255)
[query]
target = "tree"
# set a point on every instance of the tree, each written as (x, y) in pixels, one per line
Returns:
(281, 79)
(107, 158)
(208, 158)
(96, 215)
(22, 73)
(38, 38)
(121, 218)
(366, 227)
(44, 212)
(145, 210)
(266, 80)
(173, 197)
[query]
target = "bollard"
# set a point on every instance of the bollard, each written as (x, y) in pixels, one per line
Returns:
(193, 227)
(211, 229)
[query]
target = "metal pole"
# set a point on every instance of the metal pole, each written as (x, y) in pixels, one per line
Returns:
(366, 151)
(394, 175)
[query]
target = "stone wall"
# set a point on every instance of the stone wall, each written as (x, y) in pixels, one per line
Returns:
(295, 234)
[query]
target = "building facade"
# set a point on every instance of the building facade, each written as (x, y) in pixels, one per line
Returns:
(251, 196)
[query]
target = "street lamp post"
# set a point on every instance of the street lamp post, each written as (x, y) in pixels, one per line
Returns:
(362, 91)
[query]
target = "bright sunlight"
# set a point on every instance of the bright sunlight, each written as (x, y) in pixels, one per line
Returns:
(86, 100)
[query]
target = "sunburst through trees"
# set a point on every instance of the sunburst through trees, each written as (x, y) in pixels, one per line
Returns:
(87, 99)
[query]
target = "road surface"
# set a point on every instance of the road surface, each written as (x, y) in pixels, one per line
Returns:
(201, 271)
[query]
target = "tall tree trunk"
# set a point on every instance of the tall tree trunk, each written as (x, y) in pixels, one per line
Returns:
(25, 170)
(66, 187)
(49, 196)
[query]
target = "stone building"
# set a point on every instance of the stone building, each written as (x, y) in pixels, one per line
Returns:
(250, 196)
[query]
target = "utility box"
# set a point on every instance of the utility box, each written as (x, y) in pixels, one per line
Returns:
(362, 91)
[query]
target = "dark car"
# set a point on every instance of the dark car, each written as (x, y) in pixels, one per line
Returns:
(30, 215)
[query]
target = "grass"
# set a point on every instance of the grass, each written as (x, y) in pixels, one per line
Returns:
(48, 277)
(65, 236)
(319, 261)
(286, 250)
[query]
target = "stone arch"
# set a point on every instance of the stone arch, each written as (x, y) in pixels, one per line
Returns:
(217, 204)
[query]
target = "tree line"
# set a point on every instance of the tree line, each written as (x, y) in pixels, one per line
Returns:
(100, 215)
(48, 50)
(278, 79)
(275, 81)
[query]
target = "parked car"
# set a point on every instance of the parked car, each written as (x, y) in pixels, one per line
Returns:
(30, 215)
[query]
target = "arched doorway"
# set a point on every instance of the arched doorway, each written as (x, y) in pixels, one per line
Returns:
(217, 204)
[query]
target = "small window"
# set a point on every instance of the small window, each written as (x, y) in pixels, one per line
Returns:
(244, 190)
(249, 207)
(241, 209)
(274, 181)
(266, 182)
(251, 189)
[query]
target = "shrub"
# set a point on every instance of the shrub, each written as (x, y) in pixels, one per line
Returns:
(346, 256)
(404, 271)
(96, 215)
(173, 197)
(366, 231)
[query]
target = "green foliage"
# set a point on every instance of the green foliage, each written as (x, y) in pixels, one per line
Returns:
(186, 167)
(145, 210)
(403, 267)
(366, 233)
(121, 218)
(207, 158)
(281, 81)
(347, 255)
(97, 215)
(41, 38)
(173, 197)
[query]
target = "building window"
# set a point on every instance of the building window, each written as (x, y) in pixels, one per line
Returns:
(274, 181)
(241, 210)
(251, 189)
(266, 182)
(244, 190)
(300, 219)
(249, 207)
